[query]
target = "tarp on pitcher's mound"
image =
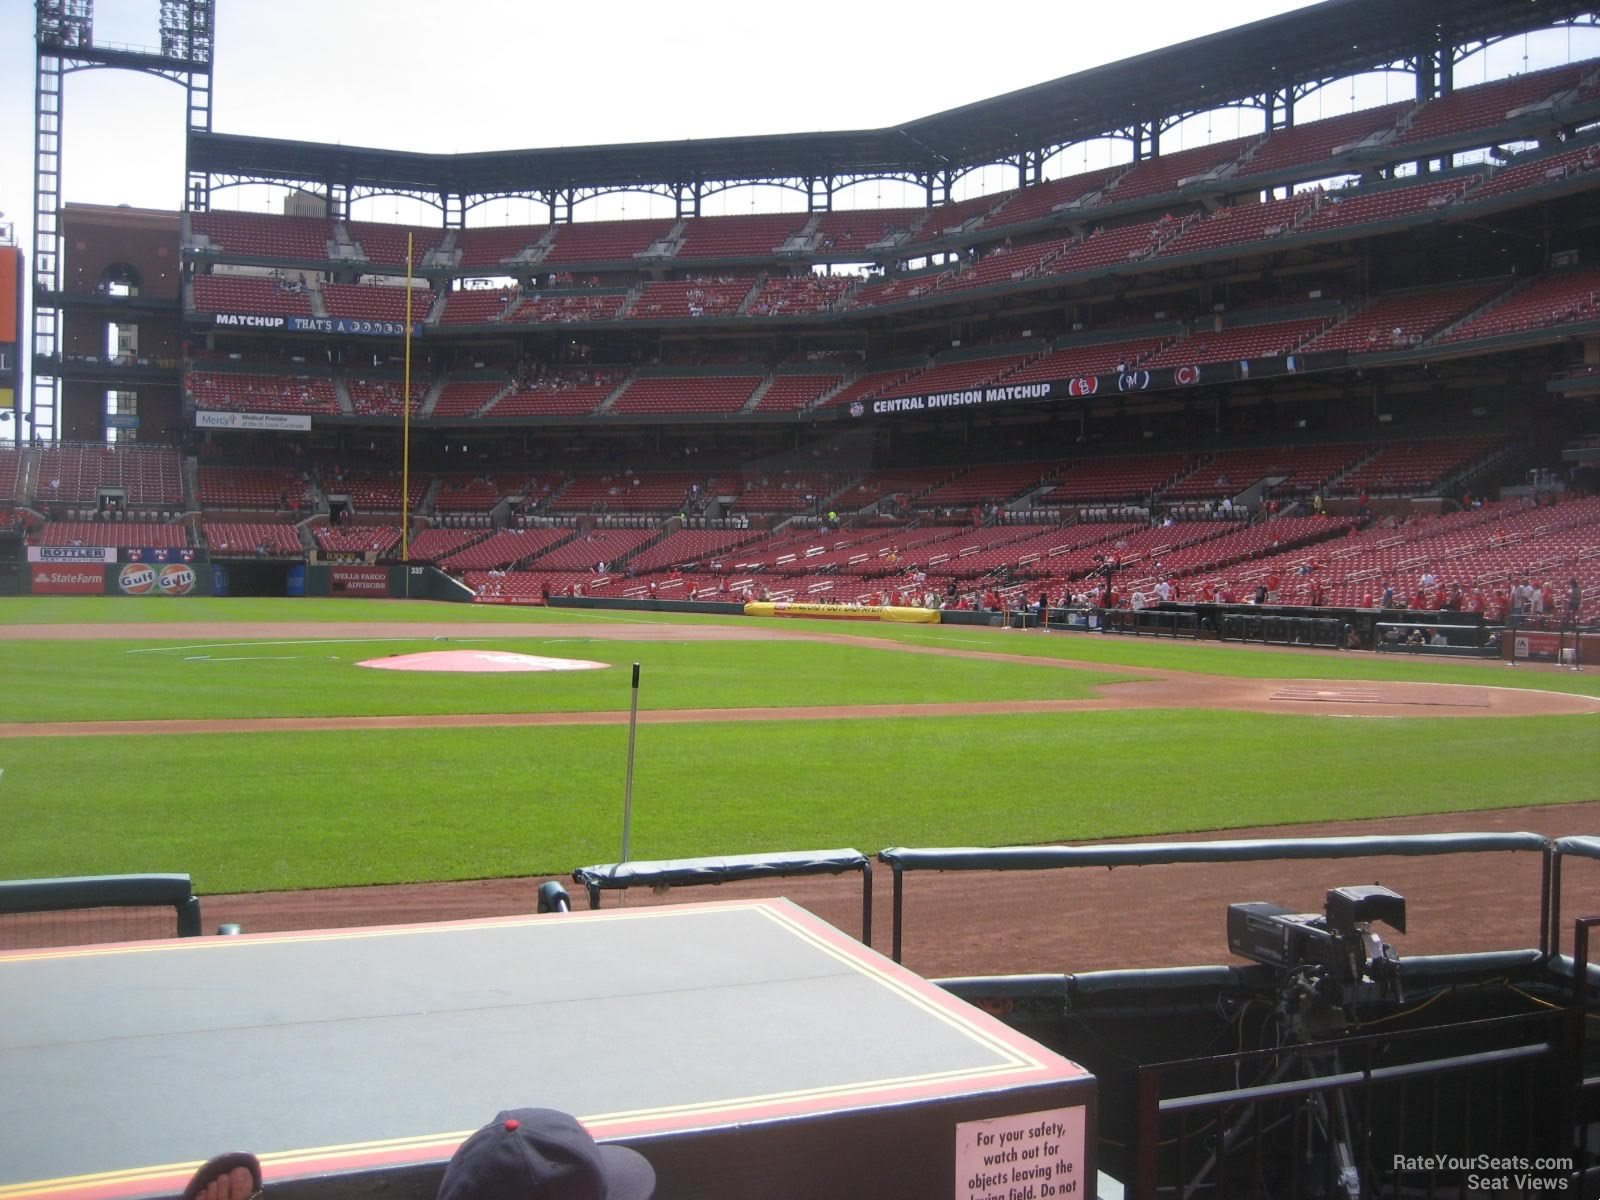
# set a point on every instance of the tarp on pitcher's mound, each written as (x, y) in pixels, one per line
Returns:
(842, 612)
(479, 662)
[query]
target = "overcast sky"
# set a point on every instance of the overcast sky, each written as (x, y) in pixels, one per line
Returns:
(501, 74)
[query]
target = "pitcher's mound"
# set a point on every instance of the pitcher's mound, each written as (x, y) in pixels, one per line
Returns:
(479, 662)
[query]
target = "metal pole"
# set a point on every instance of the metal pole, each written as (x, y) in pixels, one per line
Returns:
(627, 794)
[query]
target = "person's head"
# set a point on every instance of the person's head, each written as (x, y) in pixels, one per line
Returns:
(541, 1154)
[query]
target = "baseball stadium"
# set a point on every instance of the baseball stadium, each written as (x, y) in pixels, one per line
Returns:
(1082, 682)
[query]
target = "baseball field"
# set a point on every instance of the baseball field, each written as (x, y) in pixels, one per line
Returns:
(239, 740)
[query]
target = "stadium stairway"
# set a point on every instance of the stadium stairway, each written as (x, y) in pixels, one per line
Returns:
(744, 311)
(341, 393)
(764, 386)
(431, 399)
(1489, 305)
(319, 302)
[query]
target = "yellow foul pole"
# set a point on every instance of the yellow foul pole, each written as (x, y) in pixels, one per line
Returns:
(405, 434)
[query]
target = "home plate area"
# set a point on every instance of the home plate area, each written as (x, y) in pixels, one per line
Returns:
(479, 662)
(1431, 696)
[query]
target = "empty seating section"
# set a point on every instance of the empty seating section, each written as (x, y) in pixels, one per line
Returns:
(386, 244)
(464, 397)
(593, 491)
(490, 245)
(276, 488)
(781, 296)
(251, 294)
(253, 538)
(1304, 470)
(688, 548)
(384, 397)
(955, 376)
(603, 241)
(114, 533)
(1154, 176)
(742, 236)
(1486, 106)
(687, 394)
(904, 287)
(376, 302)
(503, 549)
(430, 545)
(10, 468)
(1113, 247)
(989, 484)
(1418, 466)
(1272, 536)
(1007, 264)
(869, 384)
(1556, 299)
(589, 550)
(1538, 170)
(561, 308)
(73, 475)
(910, 482)
(357, 539)
(1337, 209)
(1065, 362)
(1242, 223)
(477, 307)
(377, 491)
(671, 299)
(260, 235)
(561, 391)
(854, 230)
(1271, 340)
(1310, 145)
(1405, 319)
(1039, 201)
(231, 392)
(790, 393)
(477, 493)
(1130, 478)
(952, 220)
(785, 491)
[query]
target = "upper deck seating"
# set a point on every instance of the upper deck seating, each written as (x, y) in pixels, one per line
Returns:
(237, 392)
(1405, 319)
(1559, 298)
(561, 391)
(1311, 144)
(250, 294)
(754, 235)
(376, 302)
(262, 235)
(675, 299)
(604, 241)
(1272, 339)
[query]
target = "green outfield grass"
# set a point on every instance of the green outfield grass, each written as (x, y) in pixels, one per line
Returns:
(124, 680)
(273, 811)
(268, 811)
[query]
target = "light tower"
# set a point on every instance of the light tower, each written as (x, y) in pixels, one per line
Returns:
(66, 44)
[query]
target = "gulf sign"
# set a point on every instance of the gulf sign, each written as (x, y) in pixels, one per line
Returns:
(144, 579)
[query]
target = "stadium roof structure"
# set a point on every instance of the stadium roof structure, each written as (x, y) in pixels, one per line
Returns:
(1281, 56)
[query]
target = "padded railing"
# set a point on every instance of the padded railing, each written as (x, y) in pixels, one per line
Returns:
(105, 891)
(1052, 858)
(695, 872)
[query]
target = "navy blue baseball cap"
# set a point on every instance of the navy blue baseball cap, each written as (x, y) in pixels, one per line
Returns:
(542, 1154)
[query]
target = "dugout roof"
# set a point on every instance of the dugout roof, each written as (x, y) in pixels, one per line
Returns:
(1325, 41)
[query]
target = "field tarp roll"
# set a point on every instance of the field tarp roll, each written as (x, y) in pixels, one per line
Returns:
(842, 612)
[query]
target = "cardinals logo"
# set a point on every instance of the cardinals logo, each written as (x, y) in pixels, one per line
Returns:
(1084, 385)
(1185, 376)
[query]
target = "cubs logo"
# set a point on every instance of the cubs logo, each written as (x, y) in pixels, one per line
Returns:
(1084, 385)
(175, 579)
(136, 579)
(1185, 376)
(1133, 381)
